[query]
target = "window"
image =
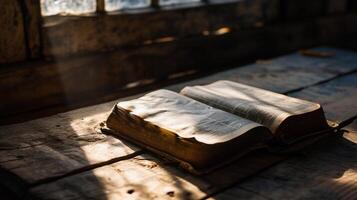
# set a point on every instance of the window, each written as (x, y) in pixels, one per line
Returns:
(73, 7)
(78, 7)
(171, 2)
(113, 24)
(112, 5)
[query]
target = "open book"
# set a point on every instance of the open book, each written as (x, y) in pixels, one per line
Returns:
(216, 123)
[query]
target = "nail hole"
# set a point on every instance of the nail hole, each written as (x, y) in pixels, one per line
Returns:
(131, 191)
(171, 193)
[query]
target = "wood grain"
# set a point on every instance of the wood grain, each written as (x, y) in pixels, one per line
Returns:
(338, 97)
(286, 73)
(140, 177)
(152, 178)
(326, 172)
(55, 146)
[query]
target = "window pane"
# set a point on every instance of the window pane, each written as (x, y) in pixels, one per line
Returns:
(111, 5)
(53, 7)
(170, 2)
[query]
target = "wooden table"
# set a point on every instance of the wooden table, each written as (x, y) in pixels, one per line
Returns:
(66, 156)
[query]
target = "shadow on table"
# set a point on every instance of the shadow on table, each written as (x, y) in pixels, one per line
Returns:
(326, 171)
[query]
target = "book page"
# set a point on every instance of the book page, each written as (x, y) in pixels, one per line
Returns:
(188, 118)
(262, 106)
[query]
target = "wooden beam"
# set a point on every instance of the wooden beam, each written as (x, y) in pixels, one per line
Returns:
(33, 21)
(12, 37)
(100, 7)
(69, 35)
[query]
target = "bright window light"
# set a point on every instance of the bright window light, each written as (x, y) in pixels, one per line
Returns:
(112, 5)
(65, 7)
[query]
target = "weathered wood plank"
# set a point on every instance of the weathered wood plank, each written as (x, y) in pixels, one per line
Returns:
(151, 178)
(327, 172)
(338, 97)
(83, 146)
(55, 146)
(218, 179)
(142, 177)
(237, 193)
(269, 75)
(12, 37)
(286, 73)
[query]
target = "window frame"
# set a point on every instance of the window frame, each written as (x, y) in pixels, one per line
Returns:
(174, 21)
(100, 7)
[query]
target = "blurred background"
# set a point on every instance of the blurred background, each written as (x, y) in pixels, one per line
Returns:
(57, 55)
